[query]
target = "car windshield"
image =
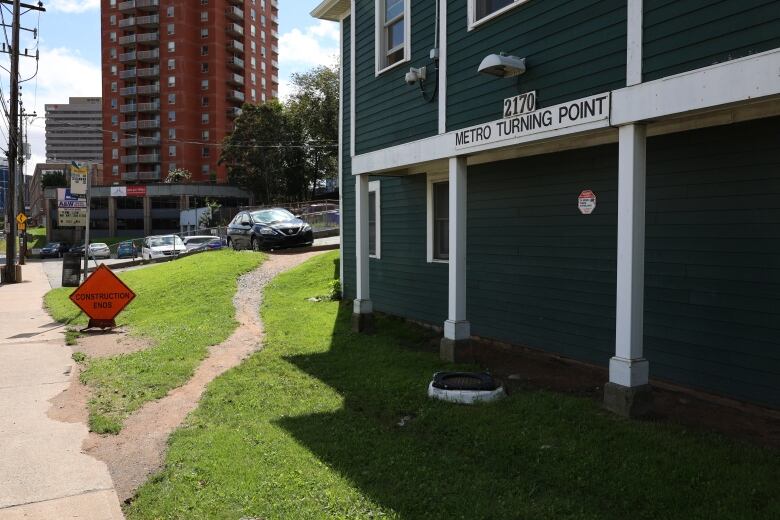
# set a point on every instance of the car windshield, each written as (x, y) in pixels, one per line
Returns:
(166, 241)
(271, 216)
(97, 245)
(53, 244)
(199, 240)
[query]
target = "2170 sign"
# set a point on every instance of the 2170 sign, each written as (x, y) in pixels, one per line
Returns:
(522, 104)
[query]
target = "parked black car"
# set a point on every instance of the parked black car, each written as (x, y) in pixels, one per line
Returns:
(267, 229)
(54, 250)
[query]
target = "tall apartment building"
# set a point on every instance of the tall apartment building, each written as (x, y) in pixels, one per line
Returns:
(74, 131)
(175, 75)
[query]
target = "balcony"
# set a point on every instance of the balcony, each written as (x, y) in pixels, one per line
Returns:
(125, 74)
(140, 141)
(235, 46)
(235, 13)
(149, 158)
(152, 20)
(153, 175)
(233, 112)
(148, 72)
(139, 38)
(127, 56)
(235, 95)
(141, 5)
(143, 89)
(152, 55)
(143, 124)
(235, 62)
(235, 30)
(235, 79)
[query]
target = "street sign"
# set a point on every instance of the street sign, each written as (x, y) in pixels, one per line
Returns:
(78, 179)
(21, 218)
(102, 296)
(71, 217)
(586, 202)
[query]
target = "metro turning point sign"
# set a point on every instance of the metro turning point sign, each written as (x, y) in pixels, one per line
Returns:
(102, 296)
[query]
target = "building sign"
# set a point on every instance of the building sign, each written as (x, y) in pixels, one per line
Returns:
(78, 180)
(136, 191)
(522, 104)
(102, 296)
(586, 202)
(573, 113)
(65, 194)
(119, 191)
(72, 217)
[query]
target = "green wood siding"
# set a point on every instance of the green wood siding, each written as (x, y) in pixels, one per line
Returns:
(347, 181)
(388, 111)
(712, 298)
(541, 274)
(402, 281)
(681, 36)
(573, 50)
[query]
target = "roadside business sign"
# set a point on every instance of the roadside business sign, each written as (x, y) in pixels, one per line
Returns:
(119, 191)
(586, 202)
(71, 209)
(136, 191)
(102, 297)
(78, 179)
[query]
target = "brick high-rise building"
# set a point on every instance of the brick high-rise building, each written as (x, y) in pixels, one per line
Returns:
(175, 75)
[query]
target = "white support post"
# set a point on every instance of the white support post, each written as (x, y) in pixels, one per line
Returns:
(456, 327)
(628, 368)
(362, 304)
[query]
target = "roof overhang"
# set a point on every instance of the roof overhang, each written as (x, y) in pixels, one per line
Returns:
(333, 10)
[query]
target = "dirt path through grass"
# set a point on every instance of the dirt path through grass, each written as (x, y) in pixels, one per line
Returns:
(138, 450)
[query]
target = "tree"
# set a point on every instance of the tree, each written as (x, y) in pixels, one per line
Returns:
(314, 106)
(53, 179)
(280, 152)
(178, 176)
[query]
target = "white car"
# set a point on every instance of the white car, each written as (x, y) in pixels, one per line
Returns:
(162, 246)
(99, 250)
(198, 241)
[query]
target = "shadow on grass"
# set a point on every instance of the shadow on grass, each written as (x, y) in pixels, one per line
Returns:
(533, 455)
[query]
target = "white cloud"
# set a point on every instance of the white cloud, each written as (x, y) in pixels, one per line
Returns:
(73, 6)
(312, 46)
(62, 73)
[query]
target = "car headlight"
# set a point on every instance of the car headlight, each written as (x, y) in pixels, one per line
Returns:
(306, 227)
(267, 231)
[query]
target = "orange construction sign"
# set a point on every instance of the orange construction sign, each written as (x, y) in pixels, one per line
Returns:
(102, 296)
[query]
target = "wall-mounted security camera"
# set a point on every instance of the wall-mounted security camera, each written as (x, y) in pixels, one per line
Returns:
(415, 75)
(502, 66)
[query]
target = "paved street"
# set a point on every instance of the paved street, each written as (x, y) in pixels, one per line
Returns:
(43, 472)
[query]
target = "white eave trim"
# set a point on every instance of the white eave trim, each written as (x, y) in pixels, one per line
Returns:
(333, 10)
(737, 81)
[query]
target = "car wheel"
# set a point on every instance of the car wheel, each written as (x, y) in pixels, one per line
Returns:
(232, 245)
(256, 244)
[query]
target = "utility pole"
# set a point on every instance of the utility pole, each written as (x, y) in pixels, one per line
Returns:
(10, 271)
(22, 186)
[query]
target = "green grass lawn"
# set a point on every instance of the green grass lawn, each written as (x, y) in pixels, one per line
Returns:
(183, 307)
(310, 428)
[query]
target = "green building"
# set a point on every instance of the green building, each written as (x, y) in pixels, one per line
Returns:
(595, 179)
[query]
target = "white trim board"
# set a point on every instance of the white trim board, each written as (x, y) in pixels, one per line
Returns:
(742, 80)
(375, 187)
(430, 180)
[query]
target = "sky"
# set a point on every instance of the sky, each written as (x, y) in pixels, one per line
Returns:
(69, 65)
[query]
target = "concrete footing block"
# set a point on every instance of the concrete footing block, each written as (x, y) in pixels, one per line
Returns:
(363, 323)
(456, 350)
(628, 401)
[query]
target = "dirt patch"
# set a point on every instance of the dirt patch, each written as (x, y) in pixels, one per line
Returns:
(109, 344)
(139, 449)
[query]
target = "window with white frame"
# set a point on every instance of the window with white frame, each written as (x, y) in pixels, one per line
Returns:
(438, 218)
(482, 10)
(392, 33)
(374, 220)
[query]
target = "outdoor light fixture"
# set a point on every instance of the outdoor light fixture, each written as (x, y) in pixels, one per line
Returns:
(502, 66)
(415, 75)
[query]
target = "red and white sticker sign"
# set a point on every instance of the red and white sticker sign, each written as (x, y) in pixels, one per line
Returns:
(586, 202)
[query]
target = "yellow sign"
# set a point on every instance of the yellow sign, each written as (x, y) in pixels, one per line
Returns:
(22, 227)
(21, 218)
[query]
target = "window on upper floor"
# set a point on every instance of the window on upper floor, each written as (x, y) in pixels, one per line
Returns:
(484, 10)
(392, 33)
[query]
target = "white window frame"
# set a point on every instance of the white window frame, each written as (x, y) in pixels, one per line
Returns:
(472, 10)
(376, 188)
(379, 37)
(432, 179)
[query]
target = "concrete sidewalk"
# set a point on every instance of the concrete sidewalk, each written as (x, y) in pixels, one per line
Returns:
(43, 472)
